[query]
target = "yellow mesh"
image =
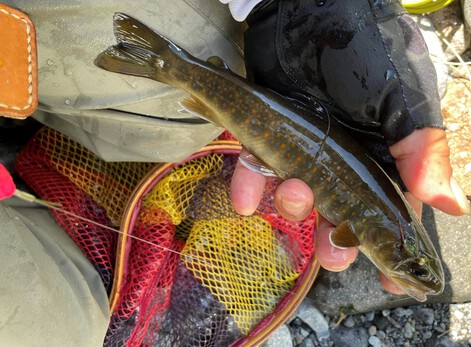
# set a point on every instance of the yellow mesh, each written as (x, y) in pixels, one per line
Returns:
(173, 193)
(242, 264)
(109, 184)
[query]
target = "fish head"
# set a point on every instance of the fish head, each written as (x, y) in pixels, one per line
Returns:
(411, 262)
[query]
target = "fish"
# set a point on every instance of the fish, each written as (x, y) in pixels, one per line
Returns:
(293, 140)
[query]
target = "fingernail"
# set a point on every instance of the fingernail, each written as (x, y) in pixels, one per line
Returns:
(460, 196)
(294, 207)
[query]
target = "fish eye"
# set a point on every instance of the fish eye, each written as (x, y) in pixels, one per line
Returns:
(422, 272)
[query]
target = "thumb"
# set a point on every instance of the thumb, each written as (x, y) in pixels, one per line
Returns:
(422, 159)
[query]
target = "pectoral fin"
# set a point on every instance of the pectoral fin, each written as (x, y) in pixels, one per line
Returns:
(254, 164)
(343, 236)
(197, 108)
(218, 62)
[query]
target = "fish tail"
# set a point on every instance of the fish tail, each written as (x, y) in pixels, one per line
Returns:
(139, 50)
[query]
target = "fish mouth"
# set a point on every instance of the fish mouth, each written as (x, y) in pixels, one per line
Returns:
(414, 289)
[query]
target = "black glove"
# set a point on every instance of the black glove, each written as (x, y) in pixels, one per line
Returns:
(364, 60)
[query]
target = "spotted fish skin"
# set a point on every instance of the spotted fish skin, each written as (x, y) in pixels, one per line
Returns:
(351, 190)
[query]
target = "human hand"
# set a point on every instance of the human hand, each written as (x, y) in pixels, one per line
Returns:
(376, 79)
(294, 200)
(423, 162)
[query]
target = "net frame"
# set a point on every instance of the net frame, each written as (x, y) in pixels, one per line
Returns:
(287, 304)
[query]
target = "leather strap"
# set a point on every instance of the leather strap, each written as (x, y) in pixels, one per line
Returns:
(18, 64)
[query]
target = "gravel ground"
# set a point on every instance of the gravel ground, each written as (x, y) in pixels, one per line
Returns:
(440, 325)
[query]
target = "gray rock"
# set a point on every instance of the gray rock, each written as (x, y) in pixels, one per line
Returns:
(280, 338)
(381, 323)
(310, 315)
(308, 343)
(426, 335)
(426, 315)
(349, 322)
(408, 330)
(381, 334)
(374, 341)
(346, 337)
(370, 316)
(445, 341)
(402, 312)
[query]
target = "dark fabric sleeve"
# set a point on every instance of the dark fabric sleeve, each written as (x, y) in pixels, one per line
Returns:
(365, 60)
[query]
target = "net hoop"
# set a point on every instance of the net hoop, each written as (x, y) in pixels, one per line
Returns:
(287, 305)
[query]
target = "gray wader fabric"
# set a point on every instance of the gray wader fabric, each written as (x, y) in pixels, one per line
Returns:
(50, 295)
(124, 118)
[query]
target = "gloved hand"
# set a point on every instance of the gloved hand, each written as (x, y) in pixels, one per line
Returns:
(366, 61)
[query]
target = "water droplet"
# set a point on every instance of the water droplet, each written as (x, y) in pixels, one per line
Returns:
(50, 62)
(390, 74)
(67, 101)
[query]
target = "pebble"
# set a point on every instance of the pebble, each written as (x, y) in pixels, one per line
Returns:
(381, 323)
(381, 334)
(349, 322)
(280, 338)
(310, 315)
(374, 341)
(370, 316)
(345, 337)
(402, 312)
(308, 343)
(408, 331)
(372, 330)
(426, 315)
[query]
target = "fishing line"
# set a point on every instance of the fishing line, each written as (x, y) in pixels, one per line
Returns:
(56, 206)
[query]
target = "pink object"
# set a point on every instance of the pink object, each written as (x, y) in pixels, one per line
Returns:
(7, 186)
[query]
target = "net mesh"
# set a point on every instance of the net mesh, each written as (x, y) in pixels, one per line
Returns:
(204, 276)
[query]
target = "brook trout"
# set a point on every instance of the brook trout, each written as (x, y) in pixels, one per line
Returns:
(351, 190)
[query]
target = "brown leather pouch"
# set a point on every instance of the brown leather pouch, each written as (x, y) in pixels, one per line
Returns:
(18, 64)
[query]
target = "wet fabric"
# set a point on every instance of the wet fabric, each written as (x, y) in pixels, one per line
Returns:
(50, 295)
(366, 60)
(124, 118)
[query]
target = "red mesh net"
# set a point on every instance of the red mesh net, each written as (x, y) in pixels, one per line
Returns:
(198, 274)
